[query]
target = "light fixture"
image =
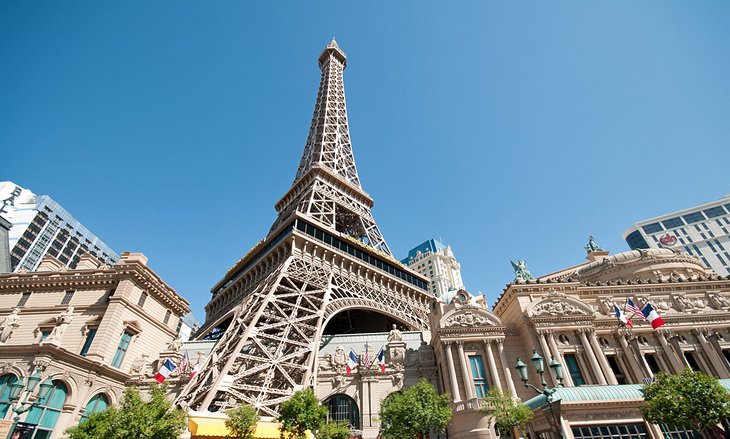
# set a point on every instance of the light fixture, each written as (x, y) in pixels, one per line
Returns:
(522, 369)
(33, 381)
(557, 368)
(46, 387)
(15, 389)
(537, 362)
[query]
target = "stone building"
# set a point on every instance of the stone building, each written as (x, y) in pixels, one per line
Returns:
(84, 333)
(569, 316)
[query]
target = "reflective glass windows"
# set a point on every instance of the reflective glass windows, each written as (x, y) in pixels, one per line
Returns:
(574, 369)
(122, 349)
(478, 375)
(46, 413)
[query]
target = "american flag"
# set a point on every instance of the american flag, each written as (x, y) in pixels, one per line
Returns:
(631, 307)
(184, 365)
(366, 358)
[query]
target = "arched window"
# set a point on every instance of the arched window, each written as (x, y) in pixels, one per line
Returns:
(98, 403)
(343, 408)
(5, 382)
(46, 413)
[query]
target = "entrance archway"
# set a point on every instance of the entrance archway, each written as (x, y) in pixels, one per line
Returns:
(343, 408)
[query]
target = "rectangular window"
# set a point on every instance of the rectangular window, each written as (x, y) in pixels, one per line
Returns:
(142, 299)
(167, 317)
(653, 364)
(693, 217)
(574, 370)
(689, 356)
(672, 223)
(615, 431)
(87, 343)
(714, 212)
(67, 297)
(121, 349)
(652, 228)
(23, 299)
(45, 333)
(620, 377)
(480, 378)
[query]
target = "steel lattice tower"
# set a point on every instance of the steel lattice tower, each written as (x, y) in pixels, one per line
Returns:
(323, 255)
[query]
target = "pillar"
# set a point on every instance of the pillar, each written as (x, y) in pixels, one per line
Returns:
(711, 354)
(597, 372)
(492, 365)
(630, 357)
(505, 368)
(669, 352)
(567, 380)
(546, 356)
(674, 341)
(452, 372)
(602, 361)
(466, 376)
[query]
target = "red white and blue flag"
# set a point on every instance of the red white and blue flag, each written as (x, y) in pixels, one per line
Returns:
(195, 370)
(622, 317)
(366, 358)
(652, 316)
(165, 371)
(632, 308)
(351, 361)
(380, 359)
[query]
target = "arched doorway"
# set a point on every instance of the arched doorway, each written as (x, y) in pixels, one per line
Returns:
(343, 408)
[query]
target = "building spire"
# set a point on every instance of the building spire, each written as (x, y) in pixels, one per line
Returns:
(328, 144)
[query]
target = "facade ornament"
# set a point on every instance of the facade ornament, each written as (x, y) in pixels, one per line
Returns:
(714, 299)
(605, 306)
(466, 318)
(397, 380)
(62, 321)
(6, 367)
(557, 308)
(395, 334)
(592, 246)
(9, 325)
(339, 358)
(338, 381)
(552, 292)
(646, 254)
(521, 271)
(139, 365)
(682, 303)
(175, 344)
(41, 364)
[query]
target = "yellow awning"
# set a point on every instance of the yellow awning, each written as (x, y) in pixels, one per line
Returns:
(216, 427)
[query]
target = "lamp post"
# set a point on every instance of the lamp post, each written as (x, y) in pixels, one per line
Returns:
(29, 397)
(537, 362)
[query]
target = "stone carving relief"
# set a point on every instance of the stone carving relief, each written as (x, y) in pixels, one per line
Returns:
(557, 308)
(395, 334)
(9, 325)
(605, 306)
(684, 304)
(175, 344)
(466, 318)
(62, 321)
(714, 299)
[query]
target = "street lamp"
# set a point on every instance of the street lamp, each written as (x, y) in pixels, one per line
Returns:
(537, 362)
(28, 400)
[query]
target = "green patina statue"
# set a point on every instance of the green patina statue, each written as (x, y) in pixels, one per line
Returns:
(521, 271)
(592, 246)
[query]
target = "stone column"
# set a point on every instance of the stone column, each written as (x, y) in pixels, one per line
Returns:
(711, 354)
(674, 341)
(715, 343)
(505, 368)
(597, 372)
(634, 343)
(567, 380)
(628, 352)
(546, 357)
(492, 365)
(669, 352)
(602, 361)
(466, 377)
(452, 372)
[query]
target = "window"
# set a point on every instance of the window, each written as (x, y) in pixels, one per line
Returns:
(672, 223)
(620, 377)
(635, 240)
(653, 364)
(97, 404)
(87, 343)
(480, 378)
(67, 297)
(572, 363)
(652, 228)
(691, 361)
(617, 431)
(677, 433)
(122, 349)
(343, 408)
(45, 333)
(693, 217)
(46, 413)
(142, 299)
(167, 317)
(714, 212)
(24, 299)
(5, 382)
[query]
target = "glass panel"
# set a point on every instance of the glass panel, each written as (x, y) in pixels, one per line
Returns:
(479, 376)
(87, 344)
(574, 369)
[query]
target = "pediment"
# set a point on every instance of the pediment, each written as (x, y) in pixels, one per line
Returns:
(469, 317)
(557, 306)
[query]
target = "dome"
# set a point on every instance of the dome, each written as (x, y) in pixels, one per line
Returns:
(642, 264)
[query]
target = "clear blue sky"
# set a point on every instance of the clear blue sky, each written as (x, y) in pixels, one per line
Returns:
(509, 129)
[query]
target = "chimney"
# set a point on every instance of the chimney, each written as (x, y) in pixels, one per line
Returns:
(5, 226)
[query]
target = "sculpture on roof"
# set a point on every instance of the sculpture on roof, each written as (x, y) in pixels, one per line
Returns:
(9, 325)
(592, 246)
(395, 335)
(521, 271)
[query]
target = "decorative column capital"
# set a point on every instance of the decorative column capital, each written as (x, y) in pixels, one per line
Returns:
(500, 343)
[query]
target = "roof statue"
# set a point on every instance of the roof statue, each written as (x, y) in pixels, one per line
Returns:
(592, 246)
(521, 271)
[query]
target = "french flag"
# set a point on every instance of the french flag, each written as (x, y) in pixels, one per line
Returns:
(351, 362)
(622, 317)
(380, 358)
(652, 316)
(165, 371)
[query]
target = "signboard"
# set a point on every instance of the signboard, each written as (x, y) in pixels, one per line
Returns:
(5, 427)
(668, 240)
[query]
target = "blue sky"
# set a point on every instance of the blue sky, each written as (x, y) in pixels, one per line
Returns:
(508, 129)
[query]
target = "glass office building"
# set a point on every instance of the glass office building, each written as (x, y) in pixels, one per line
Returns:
(40, 226)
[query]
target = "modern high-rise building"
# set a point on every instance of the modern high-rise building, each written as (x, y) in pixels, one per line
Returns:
(700, 231)
(437, 261)
(40, 226)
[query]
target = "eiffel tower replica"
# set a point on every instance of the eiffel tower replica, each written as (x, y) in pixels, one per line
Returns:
(323, 256)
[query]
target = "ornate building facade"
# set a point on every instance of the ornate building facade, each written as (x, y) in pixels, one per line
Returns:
(86, 332)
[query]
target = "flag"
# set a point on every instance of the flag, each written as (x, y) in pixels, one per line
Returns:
(652, 316)
(165, 371)
(351, 361)
(366, 359)
(622, 317)
(380, 359)
(195, 370)
(184, 365)
(631, 307)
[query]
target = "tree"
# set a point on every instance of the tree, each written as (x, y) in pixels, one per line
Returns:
(334, 430)
(300, 413)
(413, 412)
(242, 421)
(691, 400)
(134, 419)
(505, 411)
